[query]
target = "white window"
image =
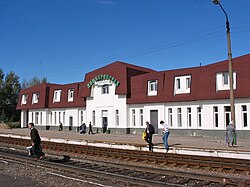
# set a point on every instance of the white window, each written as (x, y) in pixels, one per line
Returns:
(199, 116)
(227, 114)
(189, 117)
(141, 116)
(105, 89)
(182, 84)
(70, 95)
(35, 98)
(133, 117)
(81, 117)
(57, 96)
(93, 117)
(59, 116)
(63, 117)
(24, 99)
(216, 117)
(152, 87)
(51, 118)
(222, 81)
(178, 84)
(41, 118)
(55, 118)
(36, 117)
(244, 115)
(170, 117)
(225, 79)
(117, 117)
(188, 82)
(179, 116)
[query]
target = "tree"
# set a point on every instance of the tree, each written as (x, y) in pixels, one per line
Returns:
(33, 82)
(10, 93)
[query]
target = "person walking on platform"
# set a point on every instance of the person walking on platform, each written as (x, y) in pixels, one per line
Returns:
(230, 134)
(35, 142)
(60, 126)
(165, 131)
(150, 130)
(90, 128)
(83, 128)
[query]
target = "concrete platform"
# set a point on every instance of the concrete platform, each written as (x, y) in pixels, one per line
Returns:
(192, 145)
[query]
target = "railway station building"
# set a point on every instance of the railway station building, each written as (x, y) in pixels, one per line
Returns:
(193, 101)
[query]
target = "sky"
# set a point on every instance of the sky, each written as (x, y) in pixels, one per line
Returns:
(62, 40)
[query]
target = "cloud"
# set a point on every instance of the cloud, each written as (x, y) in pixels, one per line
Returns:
(106, 2)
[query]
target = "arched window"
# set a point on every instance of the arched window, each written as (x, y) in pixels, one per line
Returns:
(105, 89)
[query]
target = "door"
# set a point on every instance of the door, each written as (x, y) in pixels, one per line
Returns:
(70, 123)
(104, 120)
(154, 119)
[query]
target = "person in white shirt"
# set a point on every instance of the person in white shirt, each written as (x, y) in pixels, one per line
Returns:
(165, 135)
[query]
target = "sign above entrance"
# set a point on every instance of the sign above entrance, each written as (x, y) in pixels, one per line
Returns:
(103, 77)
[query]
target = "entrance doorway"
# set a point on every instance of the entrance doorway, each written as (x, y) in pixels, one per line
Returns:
(154, 119)
(70, 123)
(104, 120)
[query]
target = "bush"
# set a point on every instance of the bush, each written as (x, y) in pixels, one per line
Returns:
(13, 125)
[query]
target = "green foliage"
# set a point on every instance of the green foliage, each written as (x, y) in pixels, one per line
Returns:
(13, 125)
(33, 82)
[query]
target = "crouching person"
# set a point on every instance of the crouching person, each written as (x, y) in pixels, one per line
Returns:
(36, 149)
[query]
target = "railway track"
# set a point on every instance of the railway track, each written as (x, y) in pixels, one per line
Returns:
(131, 175)
(162, 176)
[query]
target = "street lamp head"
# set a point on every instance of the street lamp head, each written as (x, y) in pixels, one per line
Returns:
(216, 1)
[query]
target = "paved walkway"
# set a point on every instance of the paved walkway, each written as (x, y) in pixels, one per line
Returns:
(179, 144)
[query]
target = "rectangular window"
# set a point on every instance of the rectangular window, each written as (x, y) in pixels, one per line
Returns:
(105, 89)
(141, 116)
(170, 117)
(81, 117)
(216, 117)
(227, 114)
(199, 116)
(152, 87)
(188, 82)
(133, 117)
(93, 117)
(179, 117)
(41, 118)
(32, 117)
(51, 118)
(63, 117)
(178, 84)
(35, 98)
(189, 117)
(225, 78)
(57, 96)
(36, 117)
(24, 99)
(117, 117)
(55, 119)
(70, 95)
(59, 116)
(244, 115)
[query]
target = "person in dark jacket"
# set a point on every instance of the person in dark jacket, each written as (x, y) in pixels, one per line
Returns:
(90, 128)
(35, 142)
(150, 130)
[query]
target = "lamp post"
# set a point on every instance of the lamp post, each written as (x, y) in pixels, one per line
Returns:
(230, 65)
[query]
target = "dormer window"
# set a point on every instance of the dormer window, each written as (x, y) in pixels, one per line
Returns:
(182, 84)
(222, 81)
(152, 87)
(24, 99)
(35, 98)
(105, 89)
(57, 96)
(70, 95)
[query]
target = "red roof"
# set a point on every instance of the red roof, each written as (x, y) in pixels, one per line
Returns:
(134, 82)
